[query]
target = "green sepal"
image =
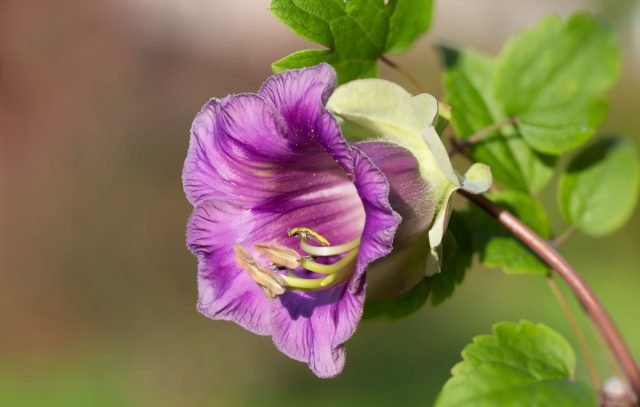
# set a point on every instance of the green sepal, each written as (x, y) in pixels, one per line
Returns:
(375, 109)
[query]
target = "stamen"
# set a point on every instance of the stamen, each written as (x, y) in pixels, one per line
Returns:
(271, 282)
(329, 268)
(328, 250)
(306, 233)
(279, 255)
(344, 273)
(340, 277)
(300, 283)
(337, 273)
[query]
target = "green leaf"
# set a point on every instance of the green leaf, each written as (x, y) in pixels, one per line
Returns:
(361, 32)
(553, 75)
(356, 32)
(310, 19)
(522, 364)
(409, 19)
(350, 69)
(599, 189)
(468, 80)
(498, 248)
(300, 59)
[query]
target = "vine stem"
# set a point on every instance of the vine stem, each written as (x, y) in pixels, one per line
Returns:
(585, 295)
(542, 248)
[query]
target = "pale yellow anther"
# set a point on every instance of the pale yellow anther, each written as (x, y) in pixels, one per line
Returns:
(279, 255)
(271, 282)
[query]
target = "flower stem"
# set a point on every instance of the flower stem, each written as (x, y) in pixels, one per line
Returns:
(461, 145)
(416, 84)
(564, 305)
(563, 237)
(587, 298)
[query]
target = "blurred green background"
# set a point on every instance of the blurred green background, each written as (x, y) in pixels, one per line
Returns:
(97, 288)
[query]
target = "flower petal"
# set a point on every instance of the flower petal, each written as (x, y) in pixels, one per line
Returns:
(409, 195)
(410, 198)
(225, 291)
(381, 221)
(300, 96)
(242, 149)
(233, 140)
(259, 165)
(311, 327)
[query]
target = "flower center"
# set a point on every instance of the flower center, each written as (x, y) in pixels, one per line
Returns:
(283, 262)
